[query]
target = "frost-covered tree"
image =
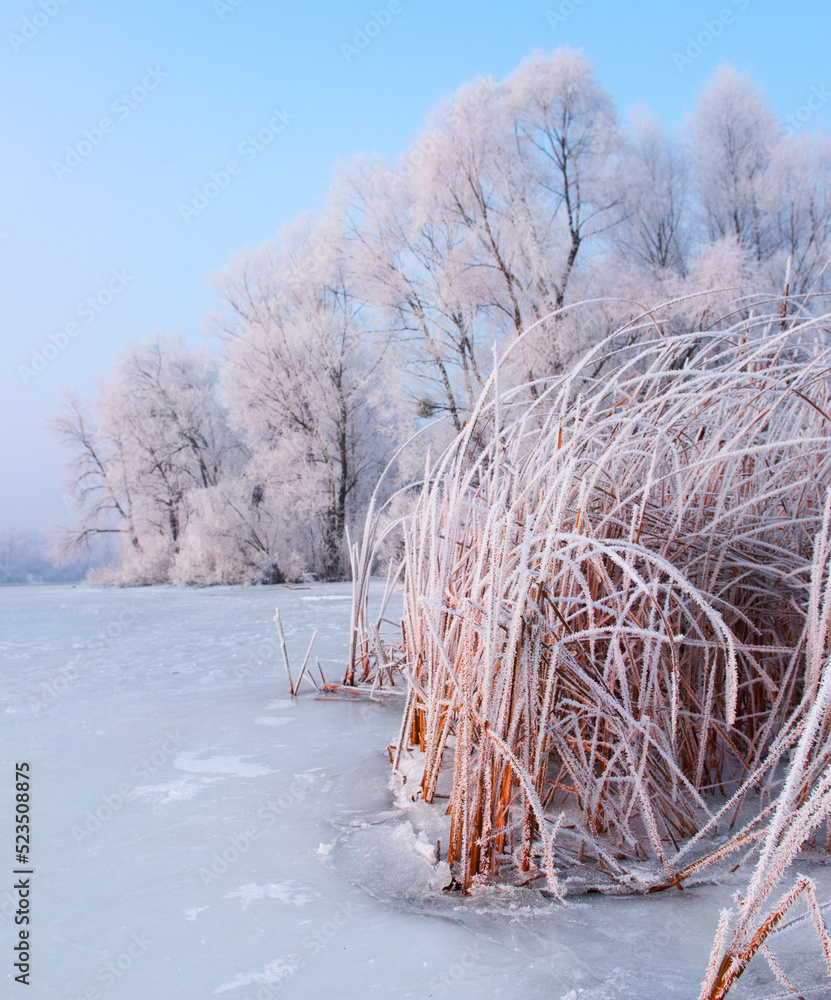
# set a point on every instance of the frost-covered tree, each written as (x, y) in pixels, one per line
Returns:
(526, 169)
(566, 130)
(415, 268)
(306, 379)
(476, 232)
(733, 133)
(766, 189)
(154, 434)
(798, 202)
(654, 178)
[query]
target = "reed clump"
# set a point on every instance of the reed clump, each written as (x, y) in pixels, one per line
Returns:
(616, 623)
(606, 586)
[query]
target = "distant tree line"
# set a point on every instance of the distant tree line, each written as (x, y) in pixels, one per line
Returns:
(27, 557)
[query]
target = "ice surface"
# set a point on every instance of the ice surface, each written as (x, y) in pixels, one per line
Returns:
(165, 812)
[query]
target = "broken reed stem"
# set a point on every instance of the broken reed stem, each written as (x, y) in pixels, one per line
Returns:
(306, 661)
(284, 651)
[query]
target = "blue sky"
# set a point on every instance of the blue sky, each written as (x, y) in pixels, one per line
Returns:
(180, 86)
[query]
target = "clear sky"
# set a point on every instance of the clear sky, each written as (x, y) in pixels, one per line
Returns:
(92, 210)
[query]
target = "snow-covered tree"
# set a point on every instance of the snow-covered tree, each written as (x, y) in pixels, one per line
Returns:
(257, 525)
(566, 130)
(306, 377)
(415, 268)
(733, 133)
(655, 226)
(476, 231)
(798, 202)
(154, 434)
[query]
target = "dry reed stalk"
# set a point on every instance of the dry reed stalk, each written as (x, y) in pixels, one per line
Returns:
(283, 650)
(306, 663)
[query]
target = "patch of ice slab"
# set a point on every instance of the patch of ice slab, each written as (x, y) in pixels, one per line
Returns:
(288, 892)
(275, 971)
(221, 764)
(174, 791)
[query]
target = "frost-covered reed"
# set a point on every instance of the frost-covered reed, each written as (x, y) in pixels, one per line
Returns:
(606, 590)
(607, 585)
(802, 806)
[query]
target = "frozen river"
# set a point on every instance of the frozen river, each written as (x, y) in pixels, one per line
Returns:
(197, 834)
